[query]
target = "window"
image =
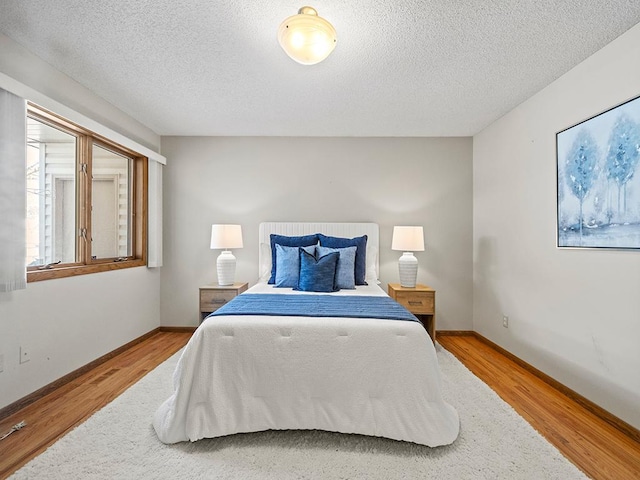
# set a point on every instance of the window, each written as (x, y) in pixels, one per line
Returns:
(86, 200)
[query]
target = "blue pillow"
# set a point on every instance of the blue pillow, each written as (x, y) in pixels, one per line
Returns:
(288, 265)
(318, 274)
(303, 241)
(345, 271)
(361, 252)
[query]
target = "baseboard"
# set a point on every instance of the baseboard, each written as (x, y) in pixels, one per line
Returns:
(454, 333)
(598, 411)
(178, 329)
(47, 389)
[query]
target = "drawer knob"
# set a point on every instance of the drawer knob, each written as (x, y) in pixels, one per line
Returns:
(218, 301)
(414, 302)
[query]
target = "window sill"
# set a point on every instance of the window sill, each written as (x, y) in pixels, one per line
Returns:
(72, 271)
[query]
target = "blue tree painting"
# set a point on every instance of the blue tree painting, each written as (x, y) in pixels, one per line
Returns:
(599, 180)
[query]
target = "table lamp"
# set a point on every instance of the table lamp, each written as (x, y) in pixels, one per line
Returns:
(226, 237)
(408, 240)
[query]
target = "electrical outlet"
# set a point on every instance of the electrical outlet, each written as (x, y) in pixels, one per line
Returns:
(505, 321)
(1, 362)
(25, 356)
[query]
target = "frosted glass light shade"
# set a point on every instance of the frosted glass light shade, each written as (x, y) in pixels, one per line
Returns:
(307, 38)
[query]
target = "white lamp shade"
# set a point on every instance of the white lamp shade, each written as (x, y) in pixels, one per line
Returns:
(226, 237)
(408, 239)
(307, 38)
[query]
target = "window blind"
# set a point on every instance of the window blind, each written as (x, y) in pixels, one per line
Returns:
(13, 114)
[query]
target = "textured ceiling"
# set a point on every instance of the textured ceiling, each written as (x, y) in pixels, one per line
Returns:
(400, 68)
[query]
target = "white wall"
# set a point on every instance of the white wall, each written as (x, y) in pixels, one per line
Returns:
(390, 181)
(20, 64)
(574, 314)
(67, 323)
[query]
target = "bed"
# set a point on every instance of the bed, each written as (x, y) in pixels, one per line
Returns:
(358, 372)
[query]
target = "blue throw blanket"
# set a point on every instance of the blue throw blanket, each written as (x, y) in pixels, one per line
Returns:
(316, 306)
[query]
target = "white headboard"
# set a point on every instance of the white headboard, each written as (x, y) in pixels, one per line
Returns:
(347, 230)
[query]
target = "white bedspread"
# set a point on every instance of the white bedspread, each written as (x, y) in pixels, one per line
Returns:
(252, 373)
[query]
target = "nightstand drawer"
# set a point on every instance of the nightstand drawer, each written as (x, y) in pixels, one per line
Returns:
(417, 302)
(211, 300)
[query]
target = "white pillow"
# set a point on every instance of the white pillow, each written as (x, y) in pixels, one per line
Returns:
(371, 272)
(264, 269)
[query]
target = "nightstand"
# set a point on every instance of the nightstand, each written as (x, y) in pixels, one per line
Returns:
(421, 301)
(212, 297)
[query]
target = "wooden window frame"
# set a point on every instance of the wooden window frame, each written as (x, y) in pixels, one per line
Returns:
(138, 209)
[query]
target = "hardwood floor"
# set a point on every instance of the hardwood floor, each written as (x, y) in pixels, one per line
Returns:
(55, 414)
(593, 445)
(597, 448)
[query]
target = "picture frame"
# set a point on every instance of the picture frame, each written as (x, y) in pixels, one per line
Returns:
(598, 180)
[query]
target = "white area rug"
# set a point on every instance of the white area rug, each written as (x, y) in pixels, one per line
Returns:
(119, 442)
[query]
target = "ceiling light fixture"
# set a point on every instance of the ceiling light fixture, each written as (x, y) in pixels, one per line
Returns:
(307, 38)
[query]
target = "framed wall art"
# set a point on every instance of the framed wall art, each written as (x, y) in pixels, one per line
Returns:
(598, 164)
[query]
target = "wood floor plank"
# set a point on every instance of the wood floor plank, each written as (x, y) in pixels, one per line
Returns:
(68, 406)
(593, 445)
(596, 447)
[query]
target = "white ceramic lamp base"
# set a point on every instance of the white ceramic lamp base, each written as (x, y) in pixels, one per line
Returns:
(408, 269)
(226, 268)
